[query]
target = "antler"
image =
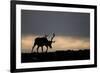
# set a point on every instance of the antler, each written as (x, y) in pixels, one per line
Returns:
(45, 35)
(53, 36)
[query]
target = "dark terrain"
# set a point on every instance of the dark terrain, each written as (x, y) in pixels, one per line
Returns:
(55, 56)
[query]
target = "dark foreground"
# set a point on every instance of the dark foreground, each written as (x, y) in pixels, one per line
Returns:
(55, 56)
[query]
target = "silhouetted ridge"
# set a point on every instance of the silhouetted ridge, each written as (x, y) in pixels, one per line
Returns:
(56, 56)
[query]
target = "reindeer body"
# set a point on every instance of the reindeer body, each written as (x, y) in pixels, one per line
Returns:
(43, 41)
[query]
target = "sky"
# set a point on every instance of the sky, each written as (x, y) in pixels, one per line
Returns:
(72, 29)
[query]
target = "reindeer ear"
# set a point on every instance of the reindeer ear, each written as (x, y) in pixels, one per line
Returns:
(53, 41)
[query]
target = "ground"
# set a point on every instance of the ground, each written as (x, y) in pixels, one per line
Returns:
(55, 56)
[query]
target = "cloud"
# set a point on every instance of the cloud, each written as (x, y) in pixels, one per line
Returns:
(61, 43)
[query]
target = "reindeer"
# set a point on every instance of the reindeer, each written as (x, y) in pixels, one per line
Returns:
(43, 41)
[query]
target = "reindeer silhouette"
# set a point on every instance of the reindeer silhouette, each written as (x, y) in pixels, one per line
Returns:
(43, 41)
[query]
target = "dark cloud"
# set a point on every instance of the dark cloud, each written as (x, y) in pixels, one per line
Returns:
(62, 23)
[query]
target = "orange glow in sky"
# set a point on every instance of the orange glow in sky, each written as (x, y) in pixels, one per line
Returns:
(61, 43)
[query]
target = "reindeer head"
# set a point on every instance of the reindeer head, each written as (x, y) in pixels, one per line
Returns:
(51, 41)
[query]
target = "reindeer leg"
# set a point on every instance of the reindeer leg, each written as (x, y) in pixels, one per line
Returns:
(37, 49)
(42, 48)
(47, 49)
(33, 48)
